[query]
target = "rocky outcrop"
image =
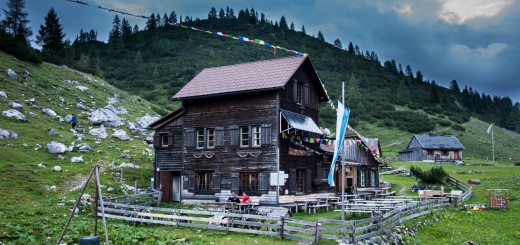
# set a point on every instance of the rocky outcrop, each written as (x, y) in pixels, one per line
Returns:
(11, 74)
(100, 132)
(105, 117)
(16, 106)
(121, 134)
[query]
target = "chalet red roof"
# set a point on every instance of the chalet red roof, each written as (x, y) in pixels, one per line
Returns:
(260, 75)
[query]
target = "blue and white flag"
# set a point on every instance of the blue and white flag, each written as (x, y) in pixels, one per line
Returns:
(341, 128)
(489, 129)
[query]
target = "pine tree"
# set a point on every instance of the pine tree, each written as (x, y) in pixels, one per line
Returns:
(419, 76)
(158, 20)
(212, 14)
(283, 24)
(350, 48)
(321, 38)
(16, 23)
(92, 35)
(221, 14)
(165, 19)
(151, 24)
(337, 43)
(292, 26)
(173, 17)
(434, 96)
(115, 33)
(454, 86)
(303, 30)
(126, 31)
(409, 72)
(136, 29)
(50, 36)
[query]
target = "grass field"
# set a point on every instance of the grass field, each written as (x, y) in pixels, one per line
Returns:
(457, 225)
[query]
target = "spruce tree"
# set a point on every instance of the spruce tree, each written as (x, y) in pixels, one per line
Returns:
(50, 36)
(165, 19)
(434, 96)
(151, 24)
(126, 31)
(454, 86)
(136, 29)
(292, 26)
(321, 38)
(283, 24)
(350, 48)
(337, 43)
(16, 23)
(173, 17)
(303, 30)
(115, 33)
(221, 14)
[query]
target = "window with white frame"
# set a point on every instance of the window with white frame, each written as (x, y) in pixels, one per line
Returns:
(244, 136)
(299, 93)
(165, 140)
(363, 178)
(200, 138)
(211, 138)
(256, 136)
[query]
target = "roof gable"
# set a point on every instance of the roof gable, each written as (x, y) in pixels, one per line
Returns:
(254, 76)
(428, 141)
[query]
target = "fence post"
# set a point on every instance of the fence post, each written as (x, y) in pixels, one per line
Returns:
(353, 232)
(281, 227)
(317, 232)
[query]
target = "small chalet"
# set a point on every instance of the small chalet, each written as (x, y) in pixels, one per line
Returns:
(249, 127)
(430, 147)
(361, 164)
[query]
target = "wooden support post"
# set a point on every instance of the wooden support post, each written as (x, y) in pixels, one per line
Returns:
(281, 227)
(96, 167)
(317, 231)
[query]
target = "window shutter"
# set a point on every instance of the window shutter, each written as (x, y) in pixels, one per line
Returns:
(190, 137)
(292, 181)
(368, 181)
(266, 134)
(234, 135)
(191, 182)
(358, 177)
(263, 186)
(219, 135)
(306, 94)
(216, 182)
(308, 184)
(170, 140)
(156, 140)
(377, 178)
(295, 91)
(235, 181)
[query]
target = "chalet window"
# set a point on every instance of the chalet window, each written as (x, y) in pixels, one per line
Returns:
(211, 138)
(200, 138)
(429, 152)
(363, 178)
(445, 153)
(165, 140)
(256, 136)
(249, 182)
(204, 182)
(244, 136)
(373, 178)
(299, 93)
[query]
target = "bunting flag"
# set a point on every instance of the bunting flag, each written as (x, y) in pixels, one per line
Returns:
(341, 127)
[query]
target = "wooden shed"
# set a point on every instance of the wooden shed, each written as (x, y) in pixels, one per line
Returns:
(433, 148)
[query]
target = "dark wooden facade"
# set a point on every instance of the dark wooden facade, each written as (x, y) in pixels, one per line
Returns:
(231, 142)
(444, 148)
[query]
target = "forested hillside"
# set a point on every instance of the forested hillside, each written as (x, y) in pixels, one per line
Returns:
(157, 61)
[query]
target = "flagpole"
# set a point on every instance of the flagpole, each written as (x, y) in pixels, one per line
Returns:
(342, 162)
(493, 143)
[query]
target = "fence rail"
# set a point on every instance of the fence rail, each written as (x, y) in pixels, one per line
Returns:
(349, 231)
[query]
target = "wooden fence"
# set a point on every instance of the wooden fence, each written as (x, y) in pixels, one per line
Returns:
(350, 231)
(467, 191)
(152, 198)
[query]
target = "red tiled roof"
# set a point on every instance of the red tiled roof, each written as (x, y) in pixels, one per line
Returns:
(260, 75)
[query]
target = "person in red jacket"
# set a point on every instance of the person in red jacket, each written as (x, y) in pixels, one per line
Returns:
(245, 198)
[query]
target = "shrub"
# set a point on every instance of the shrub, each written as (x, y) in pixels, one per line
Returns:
(435, 175)
(458, 127)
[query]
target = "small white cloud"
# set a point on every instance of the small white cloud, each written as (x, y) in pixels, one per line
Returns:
(488, 52)
(403, 9)
(460, 11)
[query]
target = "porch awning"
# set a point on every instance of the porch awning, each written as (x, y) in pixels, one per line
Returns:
(301, 122)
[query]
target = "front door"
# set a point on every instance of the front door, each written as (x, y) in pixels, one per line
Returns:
(176, 187)
(300, 180)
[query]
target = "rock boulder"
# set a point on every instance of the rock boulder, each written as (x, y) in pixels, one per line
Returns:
(121, 134)
(56, 147)
(6, 134)
(105, 117)
(14, 114)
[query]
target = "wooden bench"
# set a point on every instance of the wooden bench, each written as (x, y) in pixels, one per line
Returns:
(317, 206)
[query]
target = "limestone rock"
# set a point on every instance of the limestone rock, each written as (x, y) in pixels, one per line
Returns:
(67, 118)
(105, 117)
(56, 168)
(112, 101)
(84, 147)
(100, 132)
(56, 147)
(77, 159)
(14, 114)
(30, 101)
(81, 106)
(49, 112)
(41, 165)
(11, 74)
(143, 122)
(3, 94)
(6, 134)
(16, 106)
(79, 137)
(82, 88)
(51, 132)
(121, 134)
(72, 82)
(128, 165)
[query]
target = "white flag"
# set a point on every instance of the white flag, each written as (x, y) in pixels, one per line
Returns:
(489, 129)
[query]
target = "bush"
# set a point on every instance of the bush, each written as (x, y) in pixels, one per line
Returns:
(458, 127)
(435, 175)
(444, 123)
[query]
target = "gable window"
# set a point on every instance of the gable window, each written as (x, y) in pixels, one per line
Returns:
(249, 182)
(200, 138)
(204, 182)
(299, 93)
(244, 136)
(211, 138)
(256, 136)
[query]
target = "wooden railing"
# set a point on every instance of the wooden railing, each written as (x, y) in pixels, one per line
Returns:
(467, 191)
(349, 231)
(150, 198)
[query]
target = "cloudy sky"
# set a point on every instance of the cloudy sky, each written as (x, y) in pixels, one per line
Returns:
(476, 42)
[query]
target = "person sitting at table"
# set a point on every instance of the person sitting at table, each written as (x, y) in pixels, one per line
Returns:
(234, 198)
(245, 198)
